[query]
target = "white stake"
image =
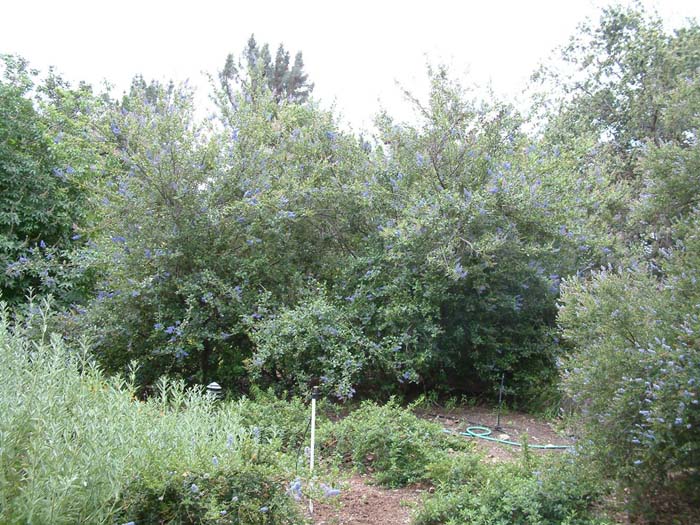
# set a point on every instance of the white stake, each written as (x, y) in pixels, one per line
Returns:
(314, 397)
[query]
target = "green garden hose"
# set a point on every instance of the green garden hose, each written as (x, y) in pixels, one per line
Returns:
(485, 433)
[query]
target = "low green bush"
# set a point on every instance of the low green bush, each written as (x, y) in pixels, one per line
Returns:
(392, 443)
(273, 418)
(241, 492)
(549, 491)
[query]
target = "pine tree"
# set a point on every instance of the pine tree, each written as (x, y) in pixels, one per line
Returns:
(255, 66)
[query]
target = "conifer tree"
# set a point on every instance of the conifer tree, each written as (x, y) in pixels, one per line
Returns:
(256, 66)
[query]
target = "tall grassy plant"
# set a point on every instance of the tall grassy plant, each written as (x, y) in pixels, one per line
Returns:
(75, 447)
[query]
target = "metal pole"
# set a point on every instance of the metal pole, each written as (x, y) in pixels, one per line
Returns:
(500, 401)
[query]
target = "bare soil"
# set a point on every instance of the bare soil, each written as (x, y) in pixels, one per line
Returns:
(514, 426)
(361, 503)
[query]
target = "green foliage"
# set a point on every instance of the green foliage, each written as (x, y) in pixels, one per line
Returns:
(256, 69)
(42, 193)
(237, 493)
(480, 236)
(395, 445)
(549, 491)
(636, 370)
(634, 84)
(276, 419)
(278, 247)
(161, 299)
(315, 339)
(632, 323)
(77, 447)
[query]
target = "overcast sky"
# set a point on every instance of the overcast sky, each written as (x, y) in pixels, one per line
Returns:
(354, 51)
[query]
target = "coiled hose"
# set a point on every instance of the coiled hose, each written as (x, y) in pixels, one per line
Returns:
(485, 433)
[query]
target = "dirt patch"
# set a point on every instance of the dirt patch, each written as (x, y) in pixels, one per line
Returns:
(514, 426)
(361, 503)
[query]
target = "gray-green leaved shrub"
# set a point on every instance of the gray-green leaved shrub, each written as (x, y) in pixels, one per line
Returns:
(77, 447)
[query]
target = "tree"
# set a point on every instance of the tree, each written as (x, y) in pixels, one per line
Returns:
(43, 197)
(631, 87)
(256, 67)
(632, 325)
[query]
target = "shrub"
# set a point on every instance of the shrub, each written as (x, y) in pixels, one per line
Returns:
(77, 447)
(392, 443)
(547, 491)
(636, 371)
(275, 419)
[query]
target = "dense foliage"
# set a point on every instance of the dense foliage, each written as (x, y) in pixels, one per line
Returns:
(636, 370)
(77, 447)
(267, 247)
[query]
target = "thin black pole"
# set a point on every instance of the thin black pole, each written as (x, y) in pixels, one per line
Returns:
(500, 401)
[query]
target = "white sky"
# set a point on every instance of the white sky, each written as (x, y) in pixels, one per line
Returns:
(354, 51)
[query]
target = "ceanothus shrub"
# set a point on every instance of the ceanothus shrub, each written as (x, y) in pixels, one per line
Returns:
(636, 370)
(315, 341)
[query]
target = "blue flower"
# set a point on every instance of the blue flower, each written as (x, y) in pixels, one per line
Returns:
(518, 304)
(295, 489)
(115, 129)
(158, 326)
(42, 244)
(215, 461)
(461, 272)
(194, 489)
(329, 491)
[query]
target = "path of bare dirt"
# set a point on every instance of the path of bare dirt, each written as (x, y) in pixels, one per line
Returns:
(361, 503)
